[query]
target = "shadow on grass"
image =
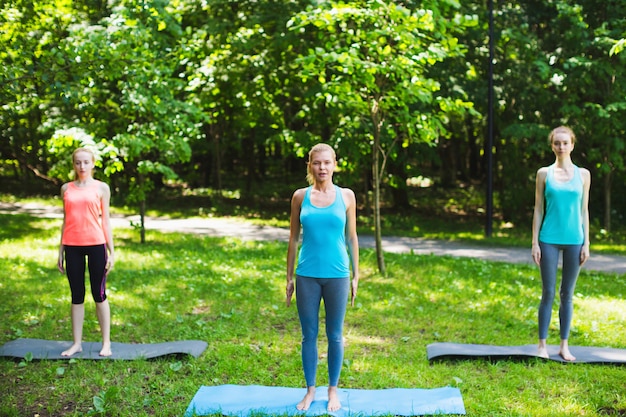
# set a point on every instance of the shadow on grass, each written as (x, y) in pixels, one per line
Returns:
(25, 226)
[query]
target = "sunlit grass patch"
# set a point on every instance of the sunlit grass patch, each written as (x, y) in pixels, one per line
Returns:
(230, 293)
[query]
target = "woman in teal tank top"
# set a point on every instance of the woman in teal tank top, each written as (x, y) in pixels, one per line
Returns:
(560, 224)
(326, 214)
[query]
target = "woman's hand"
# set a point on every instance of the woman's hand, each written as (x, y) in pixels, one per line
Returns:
(289, 291)
(584, 254)
(60, 263)
(110, 263)
(354, 287)
(536, 253)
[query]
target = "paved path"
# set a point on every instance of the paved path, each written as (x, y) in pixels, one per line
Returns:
(225, 227)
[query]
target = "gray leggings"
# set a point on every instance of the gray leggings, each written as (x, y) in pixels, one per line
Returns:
(309, 294)
(549, 268)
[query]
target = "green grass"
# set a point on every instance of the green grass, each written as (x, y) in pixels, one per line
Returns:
(230, 293)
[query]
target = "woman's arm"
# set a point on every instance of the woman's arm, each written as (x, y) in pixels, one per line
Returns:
(585, 252)
(352, 239)
(540, 185)
(294, 238)
(61, 258)
(105, 198)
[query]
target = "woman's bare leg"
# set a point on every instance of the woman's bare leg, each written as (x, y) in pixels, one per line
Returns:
(103, 311)
(78, 318)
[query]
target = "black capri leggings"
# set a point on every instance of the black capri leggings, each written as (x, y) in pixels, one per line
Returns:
(75, 268)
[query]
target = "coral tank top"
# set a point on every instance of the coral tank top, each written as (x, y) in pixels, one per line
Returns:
(83, 211)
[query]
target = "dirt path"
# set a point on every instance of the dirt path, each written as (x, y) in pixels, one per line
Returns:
(225, 227)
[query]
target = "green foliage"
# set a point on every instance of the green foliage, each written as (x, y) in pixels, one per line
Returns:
(617, 47)
(231, 294)
(193, 94)
(368, 63)
(131, 64)
(104, 401)
(370, 60)
(31, 75)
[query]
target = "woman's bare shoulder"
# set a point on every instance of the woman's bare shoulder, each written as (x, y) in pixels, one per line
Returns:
(103, 185)
(348, 194)
(585, 174)
(298, 195)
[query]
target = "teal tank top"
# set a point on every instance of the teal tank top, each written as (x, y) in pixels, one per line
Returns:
(563, 221)
(323, 253)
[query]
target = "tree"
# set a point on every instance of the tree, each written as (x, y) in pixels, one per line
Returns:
(32, 72)
(370, 59)
(240, 73)
(125, 91)
(594, 93)
(572, 81)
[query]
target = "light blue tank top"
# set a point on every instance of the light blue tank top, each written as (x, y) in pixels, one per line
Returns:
(563, 222)
(323, 253)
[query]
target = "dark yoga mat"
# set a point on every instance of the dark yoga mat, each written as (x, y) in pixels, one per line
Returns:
(252, 400)
(583, 354)
(51, 349)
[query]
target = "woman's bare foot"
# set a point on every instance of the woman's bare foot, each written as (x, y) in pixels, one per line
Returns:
(565, 353)
(307, 400)
(75, 348)
(106, 350)
(333, 400)
(542, 349)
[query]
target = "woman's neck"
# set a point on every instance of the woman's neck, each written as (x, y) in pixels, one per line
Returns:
(564, 162)
(84, 180)
(324, 186)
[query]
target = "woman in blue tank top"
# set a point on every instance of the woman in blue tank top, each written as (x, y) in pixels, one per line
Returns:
(560, 224)
(327, 215)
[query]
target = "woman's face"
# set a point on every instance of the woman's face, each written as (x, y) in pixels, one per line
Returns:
(322, 165)
(562, 144)
(83, 164)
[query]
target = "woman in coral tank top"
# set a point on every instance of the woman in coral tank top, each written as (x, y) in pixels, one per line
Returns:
(86, 242)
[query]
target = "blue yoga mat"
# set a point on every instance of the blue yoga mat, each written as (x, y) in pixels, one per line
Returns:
(246, 400)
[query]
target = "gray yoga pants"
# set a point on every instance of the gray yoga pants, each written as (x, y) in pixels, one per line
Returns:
(549, 269)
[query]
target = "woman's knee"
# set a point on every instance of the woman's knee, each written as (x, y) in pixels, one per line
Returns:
(548, 294)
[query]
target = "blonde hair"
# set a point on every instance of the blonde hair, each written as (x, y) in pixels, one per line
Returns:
(87, 150)
(320, 147)
(562, 129)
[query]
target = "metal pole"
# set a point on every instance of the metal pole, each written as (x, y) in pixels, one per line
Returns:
(489, 145)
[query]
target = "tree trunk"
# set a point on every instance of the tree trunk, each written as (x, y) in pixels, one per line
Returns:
(380, 256)
(377, 226)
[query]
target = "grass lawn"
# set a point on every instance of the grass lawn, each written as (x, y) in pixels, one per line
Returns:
(230, 293)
